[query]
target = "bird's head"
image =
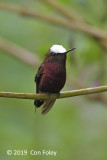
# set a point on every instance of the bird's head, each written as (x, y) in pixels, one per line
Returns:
(57, 53)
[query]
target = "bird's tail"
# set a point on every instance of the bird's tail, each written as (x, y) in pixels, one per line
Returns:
(38, 103)
(48, 105)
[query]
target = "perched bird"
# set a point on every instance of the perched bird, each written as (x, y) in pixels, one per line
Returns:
(51, 75)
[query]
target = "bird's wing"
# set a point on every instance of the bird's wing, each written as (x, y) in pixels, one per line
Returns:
(38, 77)
(48, 105)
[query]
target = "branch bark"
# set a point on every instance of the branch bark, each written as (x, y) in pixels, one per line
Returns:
(73, 24)
(20, 53)
(27, 56)
(63, 10)
(73, 16)
(62, 94)
(34, 60)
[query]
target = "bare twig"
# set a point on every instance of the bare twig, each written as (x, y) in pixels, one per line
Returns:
(92, 31)
(66, 12)
(78, 84)
(62, 94)
(33, 61)
(75, 18)
(24, 55)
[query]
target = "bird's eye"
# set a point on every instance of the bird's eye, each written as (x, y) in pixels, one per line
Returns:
(53, 53)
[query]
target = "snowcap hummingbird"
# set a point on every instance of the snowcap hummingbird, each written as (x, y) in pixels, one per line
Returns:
(51, 75)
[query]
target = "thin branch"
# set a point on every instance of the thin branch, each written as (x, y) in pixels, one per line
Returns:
(62, 94)
(78, 84)
(92, 31)
(24, 55)
(15, 50)
(66, 12)
(73, 16)
(11, 48)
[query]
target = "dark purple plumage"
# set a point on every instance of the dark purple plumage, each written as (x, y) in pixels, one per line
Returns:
(51, 77)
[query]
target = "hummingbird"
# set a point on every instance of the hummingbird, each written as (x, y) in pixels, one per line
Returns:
(51, 75)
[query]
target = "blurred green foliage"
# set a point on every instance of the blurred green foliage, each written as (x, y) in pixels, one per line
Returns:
(75, 127)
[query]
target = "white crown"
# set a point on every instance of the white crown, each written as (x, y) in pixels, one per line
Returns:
(57, 49)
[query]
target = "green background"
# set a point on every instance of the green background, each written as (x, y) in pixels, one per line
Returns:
(75, 127)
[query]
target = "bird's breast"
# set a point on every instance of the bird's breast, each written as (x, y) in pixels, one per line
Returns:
(54, 70)
(54, 77)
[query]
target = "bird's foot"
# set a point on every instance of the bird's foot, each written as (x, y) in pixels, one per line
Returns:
(58, 94)
(49, 94)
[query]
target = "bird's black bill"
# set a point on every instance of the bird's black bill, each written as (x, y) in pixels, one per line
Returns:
(70, 50)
